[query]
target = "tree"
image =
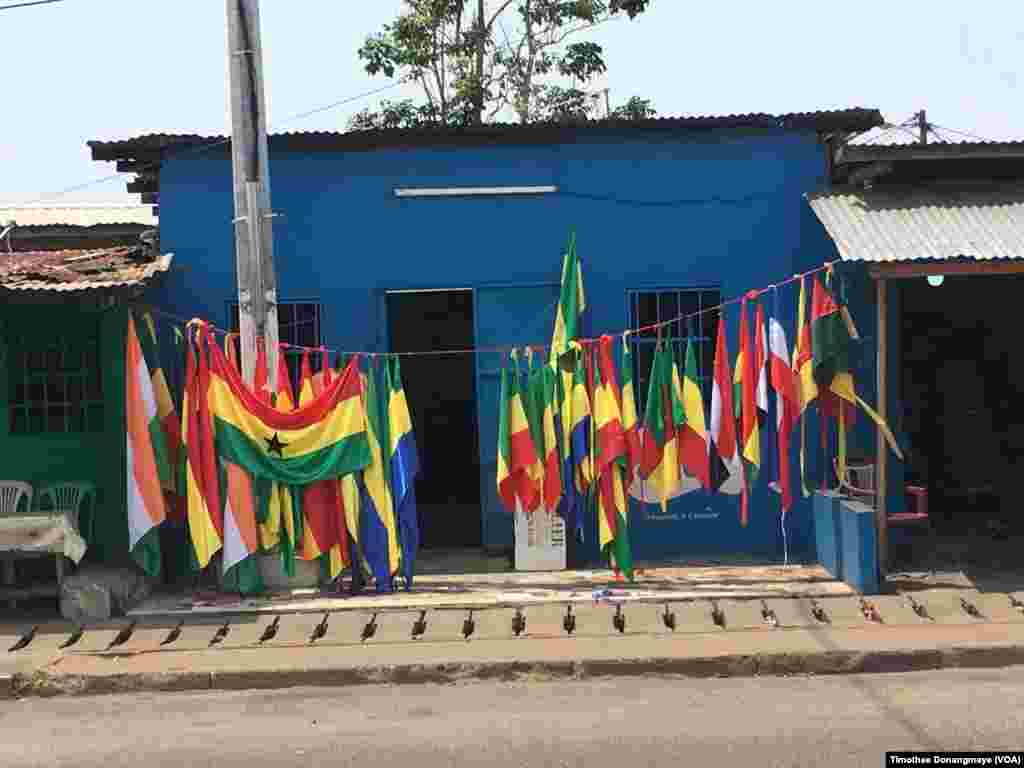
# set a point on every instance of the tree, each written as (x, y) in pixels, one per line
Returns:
(634, 109)
(474, 59)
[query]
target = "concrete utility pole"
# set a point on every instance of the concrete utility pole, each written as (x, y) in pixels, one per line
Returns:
(254, 236)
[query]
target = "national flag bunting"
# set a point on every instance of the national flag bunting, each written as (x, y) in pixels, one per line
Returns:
(726, 468)
(571, 304)
(787, 405)
(516, 452)
(693, 437)
(404, 465)
(145, 441)
(749, 432)
(610, 453)
(168, 456)
(659, 466)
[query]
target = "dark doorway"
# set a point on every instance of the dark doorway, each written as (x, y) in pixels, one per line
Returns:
(441, 390)
(962, 410)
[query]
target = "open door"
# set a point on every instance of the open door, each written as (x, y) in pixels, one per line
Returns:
(509, 315)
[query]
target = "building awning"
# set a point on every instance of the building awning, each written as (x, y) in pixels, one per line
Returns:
(79, 272)
(888, 226)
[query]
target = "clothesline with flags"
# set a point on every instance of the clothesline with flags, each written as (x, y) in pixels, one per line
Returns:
(571, 439)
(609, 454)
(180, 323)
(325, 475)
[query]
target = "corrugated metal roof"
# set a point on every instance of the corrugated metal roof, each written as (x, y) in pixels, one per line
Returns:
(77, 215)
(854, 119)
(69, 271)
(924, 223)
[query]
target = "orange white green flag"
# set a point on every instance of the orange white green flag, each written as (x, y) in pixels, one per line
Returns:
(146, 508)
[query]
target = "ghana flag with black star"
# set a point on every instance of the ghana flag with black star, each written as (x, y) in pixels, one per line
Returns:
(325, 439)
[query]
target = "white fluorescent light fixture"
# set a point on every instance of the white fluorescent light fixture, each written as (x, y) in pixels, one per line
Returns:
(936, 280)
(472, 191)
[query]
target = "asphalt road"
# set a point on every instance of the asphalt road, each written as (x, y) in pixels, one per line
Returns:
(833, 721)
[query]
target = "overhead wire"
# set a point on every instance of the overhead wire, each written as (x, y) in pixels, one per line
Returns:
(206, 145)
(749, 295)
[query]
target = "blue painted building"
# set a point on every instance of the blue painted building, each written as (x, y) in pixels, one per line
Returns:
(671, 215)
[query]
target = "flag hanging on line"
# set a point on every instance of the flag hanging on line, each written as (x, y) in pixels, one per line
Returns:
(145, 441)
(572, 303)
(610, 451)
(726, 468)
(784, 384)
(168, 456)
(659, 467)
(747, 416)
(404, 462)
(693, 436)
(803, 373)
(630, 422)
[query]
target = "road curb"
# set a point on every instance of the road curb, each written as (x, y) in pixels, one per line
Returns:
(48, 684)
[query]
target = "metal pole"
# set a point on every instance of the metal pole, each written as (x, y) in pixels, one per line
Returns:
(881, 448)
(254, 242)
(922, 127)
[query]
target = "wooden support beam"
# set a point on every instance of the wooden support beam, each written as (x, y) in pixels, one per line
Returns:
(905, 269)
(140, 186)
(881, 447)
(137, 166)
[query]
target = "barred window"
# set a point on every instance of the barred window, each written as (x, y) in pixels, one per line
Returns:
(298, 323)
(656, 306)
(55, 383)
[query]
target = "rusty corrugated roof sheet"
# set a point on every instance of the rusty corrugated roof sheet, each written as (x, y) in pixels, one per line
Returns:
(890, 225)
(77, 215)
(69, 271)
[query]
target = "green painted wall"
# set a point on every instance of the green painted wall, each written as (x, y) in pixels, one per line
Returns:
(96, 457)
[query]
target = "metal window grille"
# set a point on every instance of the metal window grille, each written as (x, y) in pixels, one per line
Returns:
(657, 306)
(298, 323)
(55, 383)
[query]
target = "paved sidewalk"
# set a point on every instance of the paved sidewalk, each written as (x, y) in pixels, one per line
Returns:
(776, 636)
(521, 589)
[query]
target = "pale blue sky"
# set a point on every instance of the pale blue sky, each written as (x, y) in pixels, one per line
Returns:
(108, 69)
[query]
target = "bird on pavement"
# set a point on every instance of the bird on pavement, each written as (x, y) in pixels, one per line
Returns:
(468, 626)
(819, 613)
(769, 615)
(569, 622)
(24, 640)
(970, 608)
(668, 618)
(1015, 603)
(123, 636)
(419, 627)
(73, 638)
(919, 608)
(221, 634)
(271, 631)
(173, 635)
(518, 623)
(717, 614)
(619, 619)
(370, 629)
(319, 630)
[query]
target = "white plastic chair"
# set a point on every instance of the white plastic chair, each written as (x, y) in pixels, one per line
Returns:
(12, 493)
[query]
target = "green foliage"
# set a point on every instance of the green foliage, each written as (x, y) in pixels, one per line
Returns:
(475, 59)
(634, 109)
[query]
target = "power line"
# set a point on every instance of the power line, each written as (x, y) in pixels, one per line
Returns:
(26, 5)
(205, 147)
